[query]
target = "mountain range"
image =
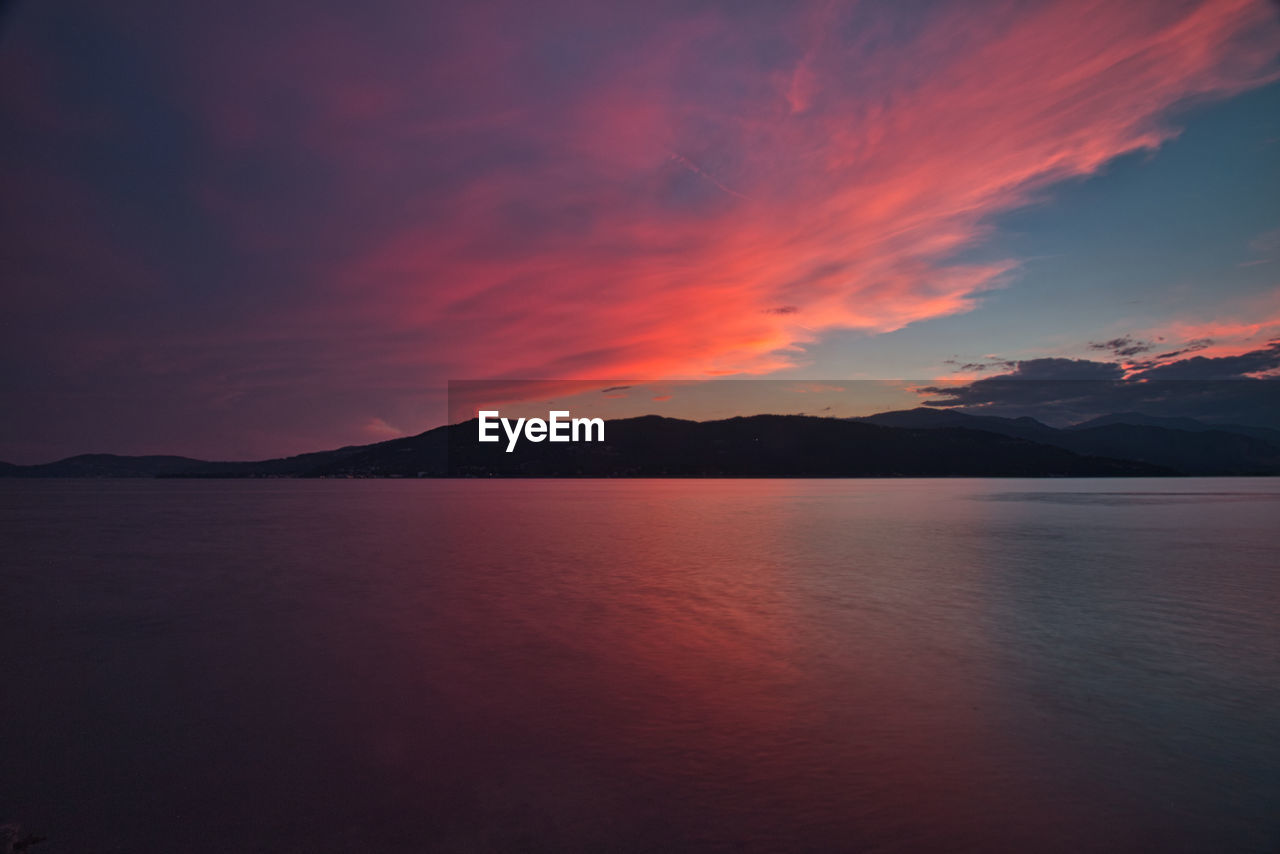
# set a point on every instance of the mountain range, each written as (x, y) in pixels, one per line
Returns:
(919, 442)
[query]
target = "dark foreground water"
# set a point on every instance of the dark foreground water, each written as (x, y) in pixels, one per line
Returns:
(881, 666)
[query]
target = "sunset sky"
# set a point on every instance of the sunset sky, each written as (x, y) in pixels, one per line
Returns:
(242, 233)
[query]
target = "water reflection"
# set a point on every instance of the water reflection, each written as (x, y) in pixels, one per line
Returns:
(892, 666)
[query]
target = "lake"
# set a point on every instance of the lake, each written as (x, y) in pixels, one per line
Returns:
(635, 666)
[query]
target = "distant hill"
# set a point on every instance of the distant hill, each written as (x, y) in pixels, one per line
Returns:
(910, 443)
(105, 465)
(925, 418)
(114, 465)
(1204, 450)
(1137, 419)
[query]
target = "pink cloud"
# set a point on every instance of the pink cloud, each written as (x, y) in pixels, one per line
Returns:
(1243, 326)
(658, 226)
(378, 430)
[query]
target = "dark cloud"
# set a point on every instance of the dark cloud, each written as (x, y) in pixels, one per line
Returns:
(1007, 364)
(614, 388)
(1191, 347)
(1063, 391)
(1218, 367)
(1064, 369)
(1161, 358)
(1122, 347)
(782, 309)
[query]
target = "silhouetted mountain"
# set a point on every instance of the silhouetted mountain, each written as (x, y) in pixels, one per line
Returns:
(425, 454)
(1206, 450)
(779, 446)
(912, 443)
(106, 465)
(301, 465)
(1137, 419)
(759, 446)
(114, 465)
(925, 418)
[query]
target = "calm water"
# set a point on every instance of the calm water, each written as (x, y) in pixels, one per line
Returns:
(410, 666)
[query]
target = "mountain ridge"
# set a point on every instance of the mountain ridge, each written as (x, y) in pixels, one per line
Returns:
(1207, 450)
(921, 442)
